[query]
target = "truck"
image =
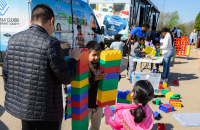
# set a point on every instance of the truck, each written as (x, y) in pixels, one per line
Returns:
(113, 16)
(75, 22)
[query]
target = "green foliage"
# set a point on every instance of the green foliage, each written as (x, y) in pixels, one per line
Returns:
(197, 23)
(173, 20)
(181, 26)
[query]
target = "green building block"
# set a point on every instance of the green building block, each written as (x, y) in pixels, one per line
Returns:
(107, 64)
(79, 91)
(175, 97)
(108, 82)
(68, 94)
(164, 91)
(107, 87)
(80, 123)
(119, 100)
(157, 101)
(69, 111)
(112, 106)
(80, 77)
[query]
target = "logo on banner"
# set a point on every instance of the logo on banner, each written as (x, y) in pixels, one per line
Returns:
(3, 7)
(58, 8)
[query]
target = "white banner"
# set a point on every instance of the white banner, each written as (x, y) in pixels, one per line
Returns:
(109, 1)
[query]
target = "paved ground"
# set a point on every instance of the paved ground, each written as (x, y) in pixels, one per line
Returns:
(187, 72)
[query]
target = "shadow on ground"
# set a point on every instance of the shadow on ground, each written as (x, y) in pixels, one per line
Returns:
(2, 125)
(189, 58)
(168, 126)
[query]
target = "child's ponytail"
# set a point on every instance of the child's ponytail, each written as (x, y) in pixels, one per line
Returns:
(138, 113)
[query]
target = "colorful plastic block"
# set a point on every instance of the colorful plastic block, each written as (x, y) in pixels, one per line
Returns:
(108, 87)
(173, 101)
(69, 102)
(105, 96)
(119, 100)
(157, 115)
(169, 94)
(168, 107)
(79, 104)
(107, 64)
(109, 69)
(82, 63)
(164, 108)
(129, 98)
(164, 85)
(82, 69)
(69, 89)
(176, 104)
(69, 111)
(79, 84)
(69, 98)
(83, 127)
(108, 82)
(110, 55)
(172, 107)
(103, 104)
(79, 91)
(123, 94)
(81, 122)
(79, 117)
(69, 95)
(69, 116)
(113, 109)
(157, 101)
(164, 91)
(80, 77)
(160, 86)
(79, 97)
(79, 110)
(66, 57)
(175, 82)
(112, 75)
(176, 96)
(161, 126)
(69, 105)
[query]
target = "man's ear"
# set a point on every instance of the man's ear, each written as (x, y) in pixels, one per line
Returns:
(31, 22)
(52, 21)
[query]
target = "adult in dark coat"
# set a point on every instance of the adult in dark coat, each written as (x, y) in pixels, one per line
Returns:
(33, 71)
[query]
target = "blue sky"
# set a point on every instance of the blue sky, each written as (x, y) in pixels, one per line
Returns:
(188, 9)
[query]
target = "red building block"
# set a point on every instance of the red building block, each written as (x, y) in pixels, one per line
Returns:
(69, 98)
(175, 82)
(173, 101)
(161, 126)
(109, 69)
(103, 104)
(69, 105)
(83, 69)
(160, 86)
(81, 116)
(170, 109)
(80, 104)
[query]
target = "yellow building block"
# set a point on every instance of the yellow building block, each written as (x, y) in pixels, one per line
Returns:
(188, 50)
(129, 98)
(150, 51)
(110, 55)
(79, 84)
(164, 85)
(176, 104)
(105, 96)
(169, 94)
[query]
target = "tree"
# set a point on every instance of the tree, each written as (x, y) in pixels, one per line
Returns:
(197, 23)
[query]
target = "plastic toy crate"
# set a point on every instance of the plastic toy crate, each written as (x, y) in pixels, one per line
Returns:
(154, 78)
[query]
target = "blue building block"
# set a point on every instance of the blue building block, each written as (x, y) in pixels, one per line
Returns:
(122, 95)
(66, 57)
(112, 75)
(79, 98)
(113, 109)
(171, 107)
(164, 108)
(69, 89)
(68, 116)
(79, 110)
(157, 115)
(69, 102)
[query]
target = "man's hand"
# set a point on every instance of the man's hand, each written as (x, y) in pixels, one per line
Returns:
(100, 76)
(119, 71)
(75, 53)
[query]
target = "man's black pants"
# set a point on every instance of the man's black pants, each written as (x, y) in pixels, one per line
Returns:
(40, 125)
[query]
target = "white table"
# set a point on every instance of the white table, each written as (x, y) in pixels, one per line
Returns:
(160, 60)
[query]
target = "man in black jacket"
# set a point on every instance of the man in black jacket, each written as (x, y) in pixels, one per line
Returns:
(33, 71)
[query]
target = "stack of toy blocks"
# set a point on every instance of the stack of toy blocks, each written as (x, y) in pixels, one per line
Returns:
(79, 93)
(166, 108)
(124, 97)
(110, 62)
(69, 109)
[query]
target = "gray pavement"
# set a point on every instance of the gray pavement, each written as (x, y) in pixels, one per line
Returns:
(185, 71)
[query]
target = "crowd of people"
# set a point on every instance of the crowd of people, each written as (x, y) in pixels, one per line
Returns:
(34, 69)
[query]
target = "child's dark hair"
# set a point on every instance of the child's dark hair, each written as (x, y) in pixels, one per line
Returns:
(156, 42)
(78, 26)
(148, 38)
(167, 30)
(118, 37)
(93, 45)
(118, 6)
(134, 37)
(140, 39)
(143, 93)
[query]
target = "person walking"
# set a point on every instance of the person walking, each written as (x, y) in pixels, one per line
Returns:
(167, 51)
(193, 37)
(33, 71)
(179, 33)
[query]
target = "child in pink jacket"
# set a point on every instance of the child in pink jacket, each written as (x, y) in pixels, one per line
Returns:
(135, 116)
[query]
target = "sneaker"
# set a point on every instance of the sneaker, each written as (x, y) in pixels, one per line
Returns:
(164, 80)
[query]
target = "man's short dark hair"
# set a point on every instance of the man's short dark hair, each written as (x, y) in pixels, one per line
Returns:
(119, 6)
(93, 45)
(118, 37)
(42, 13)
(146, 25)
